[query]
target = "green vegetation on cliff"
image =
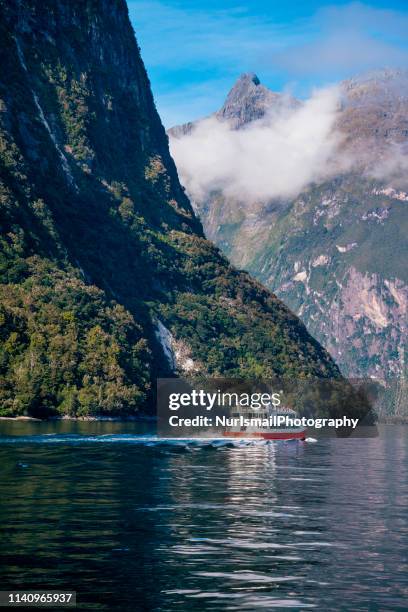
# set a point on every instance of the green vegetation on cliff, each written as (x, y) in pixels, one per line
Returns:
(99, 242)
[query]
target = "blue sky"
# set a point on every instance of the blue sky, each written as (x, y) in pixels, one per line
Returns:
(194, 50)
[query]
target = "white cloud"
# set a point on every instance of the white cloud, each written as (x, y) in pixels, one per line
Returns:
(274, 157)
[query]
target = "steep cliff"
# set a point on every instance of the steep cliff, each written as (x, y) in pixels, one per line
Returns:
(106, 277)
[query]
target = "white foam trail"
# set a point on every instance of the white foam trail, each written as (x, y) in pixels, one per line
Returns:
(148, 440)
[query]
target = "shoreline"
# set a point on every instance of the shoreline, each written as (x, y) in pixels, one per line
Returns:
(124, 419)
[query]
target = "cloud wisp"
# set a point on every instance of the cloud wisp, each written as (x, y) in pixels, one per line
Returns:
(274, 157)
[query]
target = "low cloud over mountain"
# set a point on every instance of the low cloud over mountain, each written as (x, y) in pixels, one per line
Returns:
(283, 145)
(276, 155)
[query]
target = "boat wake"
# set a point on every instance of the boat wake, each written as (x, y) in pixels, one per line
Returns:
(143, 440)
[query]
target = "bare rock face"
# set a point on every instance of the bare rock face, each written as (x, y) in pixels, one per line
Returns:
(249, 100)
(374, 116)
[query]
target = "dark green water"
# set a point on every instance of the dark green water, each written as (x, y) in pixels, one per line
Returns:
(133, 524)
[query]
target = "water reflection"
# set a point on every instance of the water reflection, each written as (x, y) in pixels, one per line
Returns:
(140, 525)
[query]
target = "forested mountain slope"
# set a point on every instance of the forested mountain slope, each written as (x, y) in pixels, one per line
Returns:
(106, 277)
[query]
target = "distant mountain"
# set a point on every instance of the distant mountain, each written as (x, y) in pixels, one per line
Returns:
(374, 115)
(106, 278)
(336, 253)
(247, 101)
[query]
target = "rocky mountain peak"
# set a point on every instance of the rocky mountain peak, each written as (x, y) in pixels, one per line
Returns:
(249, 100)
(244, 85)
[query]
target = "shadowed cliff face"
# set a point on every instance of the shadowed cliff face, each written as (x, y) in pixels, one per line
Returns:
(336, 251)
(106, 277)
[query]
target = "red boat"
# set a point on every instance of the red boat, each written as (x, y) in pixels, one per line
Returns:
(262, 424)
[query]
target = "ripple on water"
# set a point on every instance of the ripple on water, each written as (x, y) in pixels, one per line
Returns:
(138, 522)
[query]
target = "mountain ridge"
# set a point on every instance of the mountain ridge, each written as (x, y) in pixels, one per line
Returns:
(106, 278)
(249, 100)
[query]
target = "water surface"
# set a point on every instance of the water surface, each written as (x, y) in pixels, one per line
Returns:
(133, 523)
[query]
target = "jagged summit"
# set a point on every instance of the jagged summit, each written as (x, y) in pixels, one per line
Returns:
(246, 101)
(249, 100)
(251, 76)
(245, 81)
(247, 89)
